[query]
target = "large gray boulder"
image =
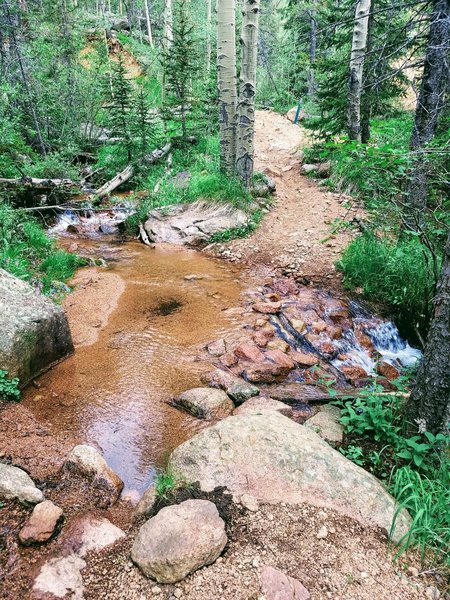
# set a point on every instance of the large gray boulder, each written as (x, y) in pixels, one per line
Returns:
(35, 333)
(15, 483)
(192, 224)
(276, 460)
(179, 540)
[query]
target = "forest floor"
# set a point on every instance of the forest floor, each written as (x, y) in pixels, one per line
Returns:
(300, 236)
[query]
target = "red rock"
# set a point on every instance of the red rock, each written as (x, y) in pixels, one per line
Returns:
(327, 348)
(353, 372)
(387, 370)
(262, 337)
(280, 358)
(267, 307)
(249, 352)
(265, 373)
(229, 360)
(275, 585)
(278, 344)
(334, 331)
(304, 359)
(312, 337)
(42, 523)
(308, 316)
(318, 326)
(284, 286)
(274, 297)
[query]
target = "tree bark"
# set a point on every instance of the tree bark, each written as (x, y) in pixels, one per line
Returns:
(429, 406)
(208, 35)
(247, 91)
(226, 72)
(115, 182)
(149, 25)
(430, 104)
(359, 44)
(38, 184)
(366, 97)
(168, 24)
(312, 51)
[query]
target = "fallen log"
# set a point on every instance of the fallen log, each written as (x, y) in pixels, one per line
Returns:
(39, 184)
(158, 154)
(114, 183)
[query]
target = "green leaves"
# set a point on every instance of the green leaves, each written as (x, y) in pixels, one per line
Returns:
(9, 388)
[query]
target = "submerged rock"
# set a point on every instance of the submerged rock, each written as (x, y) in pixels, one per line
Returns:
(85, 461)
(205, 403)
(276, 460)
(35, 332)
(179, 540)
(192, 224)
(15, 483)
(42, 523)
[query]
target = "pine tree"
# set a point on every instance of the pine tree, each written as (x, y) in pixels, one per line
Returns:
(119, 105)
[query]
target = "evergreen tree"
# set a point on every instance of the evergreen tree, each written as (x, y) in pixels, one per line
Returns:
(119, 106)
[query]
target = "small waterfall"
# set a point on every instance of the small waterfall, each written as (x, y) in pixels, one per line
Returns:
(387, 341)
(89, 223)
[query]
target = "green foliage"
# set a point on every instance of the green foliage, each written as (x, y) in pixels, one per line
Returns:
(27, 253)
(396, 273)
(165, 482)
(427, 499)
(416, 468)
(9, 388)
(239, 232)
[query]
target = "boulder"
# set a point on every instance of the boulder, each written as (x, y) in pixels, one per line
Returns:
(275, 585)
(304, 359)
(15, 483)
(60, 577)
(236, 388)
(249, 352)
(265, 373)
(326, 424)
(217, 348)
(35, 332)
(276, 460)
(310, 168)
(267, 308)
(147, 502)
(192, 224)
(260, 404)
(205, 403)
(387, 370)
(42, 523)
(85, 461)
(179, 540)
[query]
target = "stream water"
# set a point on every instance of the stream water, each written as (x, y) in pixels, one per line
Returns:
(113, 393)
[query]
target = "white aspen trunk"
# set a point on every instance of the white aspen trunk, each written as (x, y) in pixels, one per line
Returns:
(359, 45)
(149, 24)
(247, 91)
(226, 74)
(208, 35)
(168, 23)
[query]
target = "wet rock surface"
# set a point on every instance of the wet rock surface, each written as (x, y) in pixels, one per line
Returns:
(35, 332)
(263, 454)
(179, 540)
(205, 403)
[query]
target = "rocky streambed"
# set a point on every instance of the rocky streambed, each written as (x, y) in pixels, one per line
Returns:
(183, 356)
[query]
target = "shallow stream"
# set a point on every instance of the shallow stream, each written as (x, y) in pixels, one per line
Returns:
(113, 393)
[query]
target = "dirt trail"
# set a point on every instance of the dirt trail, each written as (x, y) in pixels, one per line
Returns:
(291, 237)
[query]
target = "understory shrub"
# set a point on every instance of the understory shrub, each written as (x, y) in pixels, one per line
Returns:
(9, 387)
(397, 273)
(415, 468)
(27, 252)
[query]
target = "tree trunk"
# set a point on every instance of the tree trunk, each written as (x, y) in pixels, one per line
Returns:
(429, 406)
(168, 24)
(366, 98)
(208, 35)
(149, 25)
(312, 51)
(430, 104)
(226, 73)
(359, 44)
(247, 91)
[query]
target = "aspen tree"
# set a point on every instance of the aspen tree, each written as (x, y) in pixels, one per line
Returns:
(247, 91)
(357, 57)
